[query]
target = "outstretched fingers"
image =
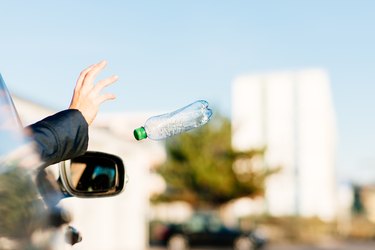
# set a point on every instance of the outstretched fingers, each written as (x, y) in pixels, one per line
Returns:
(105, 97)
(104, 83)
(88, 80)
(87, 96)
(82, 76)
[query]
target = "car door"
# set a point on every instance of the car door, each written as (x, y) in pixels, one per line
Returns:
(24, 220)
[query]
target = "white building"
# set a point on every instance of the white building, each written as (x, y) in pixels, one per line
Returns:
(119, 222)
(292, 115)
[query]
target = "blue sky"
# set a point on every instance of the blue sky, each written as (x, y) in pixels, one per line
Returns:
(170, 53)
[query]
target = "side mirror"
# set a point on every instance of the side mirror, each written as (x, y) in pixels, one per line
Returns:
(94, 174)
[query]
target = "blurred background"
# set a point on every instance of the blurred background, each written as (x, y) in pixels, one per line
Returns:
(289, 151)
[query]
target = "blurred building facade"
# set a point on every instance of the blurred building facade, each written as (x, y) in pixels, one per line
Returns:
(291, 114)
(119, 222)
(368, 200)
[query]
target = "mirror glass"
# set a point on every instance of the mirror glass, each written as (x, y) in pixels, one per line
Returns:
(93, 174)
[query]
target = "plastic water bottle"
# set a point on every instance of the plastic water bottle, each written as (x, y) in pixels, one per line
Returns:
(162, 126)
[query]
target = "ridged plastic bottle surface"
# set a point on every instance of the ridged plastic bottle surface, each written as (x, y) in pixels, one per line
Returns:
(184, 119)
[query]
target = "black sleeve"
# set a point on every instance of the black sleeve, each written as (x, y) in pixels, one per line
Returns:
(61, 136)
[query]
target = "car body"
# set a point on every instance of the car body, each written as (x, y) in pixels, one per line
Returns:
(24, 216)
(207, 230)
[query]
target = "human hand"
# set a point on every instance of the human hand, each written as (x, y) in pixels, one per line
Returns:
(87, 96)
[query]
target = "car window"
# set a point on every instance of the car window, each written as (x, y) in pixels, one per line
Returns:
(11, 135)
(214, 224)
(196, 224)
(24, 221)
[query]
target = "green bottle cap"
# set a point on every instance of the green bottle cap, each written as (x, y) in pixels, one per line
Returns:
(140, 133)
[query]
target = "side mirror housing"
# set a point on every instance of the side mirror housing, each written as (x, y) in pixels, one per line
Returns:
(94, 174)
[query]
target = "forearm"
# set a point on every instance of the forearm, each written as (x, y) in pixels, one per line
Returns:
(61, 136)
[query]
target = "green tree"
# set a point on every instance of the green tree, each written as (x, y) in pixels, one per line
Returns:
(203, 170)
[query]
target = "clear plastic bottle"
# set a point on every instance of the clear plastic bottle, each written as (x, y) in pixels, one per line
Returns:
(162, 126)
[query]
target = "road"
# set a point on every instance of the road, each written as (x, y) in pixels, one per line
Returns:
(331, 246)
